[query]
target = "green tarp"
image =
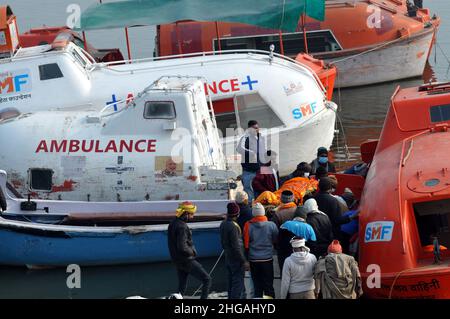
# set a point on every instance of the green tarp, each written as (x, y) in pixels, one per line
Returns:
(274, 14)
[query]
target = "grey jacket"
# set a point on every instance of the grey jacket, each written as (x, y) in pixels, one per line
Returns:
(262, 236)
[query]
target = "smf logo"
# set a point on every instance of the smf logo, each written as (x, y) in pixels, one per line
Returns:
(18, 81)
(304, 110)
(378, 231)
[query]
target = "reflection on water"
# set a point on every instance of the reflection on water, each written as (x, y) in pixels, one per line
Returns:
(147, 280)
(362, 111)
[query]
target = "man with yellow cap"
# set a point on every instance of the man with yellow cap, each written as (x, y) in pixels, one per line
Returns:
(182, 250)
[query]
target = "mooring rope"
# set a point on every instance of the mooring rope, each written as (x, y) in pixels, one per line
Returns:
(212, 270)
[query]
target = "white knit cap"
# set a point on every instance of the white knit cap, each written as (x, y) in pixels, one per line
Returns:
(258, 210)
(241, 197)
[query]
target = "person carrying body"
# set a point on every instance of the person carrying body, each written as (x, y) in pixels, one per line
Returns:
(349, 231)
(297, 278)
(286, 210)
(322, 161)
(252, 147)
(320, 173)
(322, 227)
(337, 275)
(293, 228)
(182, 250)
(260, 235)
(266, 179)
(303, 170)
(328, 204)
(233, 246)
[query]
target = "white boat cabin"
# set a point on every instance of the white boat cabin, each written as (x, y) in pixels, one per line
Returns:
(162, 145)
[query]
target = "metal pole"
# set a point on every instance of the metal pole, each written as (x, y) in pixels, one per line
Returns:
(218, 36)
(180, 49)
(128, 43)
(85, 42)
(281, 42)
(304, 33)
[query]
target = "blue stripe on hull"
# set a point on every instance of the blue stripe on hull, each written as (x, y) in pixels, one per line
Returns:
(28, 249)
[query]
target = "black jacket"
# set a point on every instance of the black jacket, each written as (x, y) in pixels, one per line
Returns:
(330, 206)
(245, 215)
(324, 233)
(232, 243)
(315, 164)
(181, 246)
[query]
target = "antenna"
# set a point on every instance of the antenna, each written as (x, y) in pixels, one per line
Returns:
(271, 48)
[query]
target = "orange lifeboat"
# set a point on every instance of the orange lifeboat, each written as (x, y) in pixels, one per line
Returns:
(405, 206)
(325, 72)
(58, 35)
(369, 41)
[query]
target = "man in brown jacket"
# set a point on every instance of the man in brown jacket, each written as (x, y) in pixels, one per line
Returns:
(286, 210)
(337, 275)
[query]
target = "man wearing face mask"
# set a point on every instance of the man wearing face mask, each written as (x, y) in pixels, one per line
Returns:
(303, 170)
(322, 161)
(252, 147)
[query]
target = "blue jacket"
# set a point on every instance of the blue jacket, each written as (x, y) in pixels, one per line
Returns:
(352, 227)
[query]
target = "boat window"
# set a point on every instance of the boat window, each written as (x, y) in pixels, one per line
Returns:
(49, 71)
(293, 43)
(160, 110)
(440, 113)
(253, 107)
(433, 219)
(79, 58)
(40, 179)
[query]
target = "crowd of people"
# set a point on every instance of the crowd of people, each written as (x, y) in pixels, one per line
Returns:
(311, 237)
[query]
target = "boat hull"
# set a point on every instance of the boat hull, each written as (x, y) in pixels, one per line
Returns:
(382, 63)
(431, 283)
(33, 245)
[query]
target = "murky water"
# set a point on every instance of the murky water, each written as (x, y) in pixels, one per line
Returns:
(362, 111)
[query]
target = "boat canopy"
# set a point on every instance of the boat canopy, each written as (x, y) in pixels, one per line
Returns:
(274, 14)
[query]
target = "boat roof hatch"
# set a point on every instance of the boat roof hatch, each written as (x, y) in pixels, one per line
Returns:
(426, 107)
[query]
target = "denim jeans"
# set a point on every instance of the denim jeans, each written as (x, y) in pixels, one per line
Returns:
(196, 270)
(236, 287)
(247, 179)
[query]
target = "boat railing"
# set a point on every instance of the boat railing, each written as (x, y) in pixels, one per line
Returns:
(304, 68)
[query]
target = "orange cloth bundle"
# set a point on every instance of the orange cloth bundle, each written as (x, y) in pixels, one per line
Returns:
(298, 185)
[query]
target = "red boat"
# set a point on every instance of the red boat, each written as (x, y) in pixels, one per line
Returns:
(405, 205)
(47, 35)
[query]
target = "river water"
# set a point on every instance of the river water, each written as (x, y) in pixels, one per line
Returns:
(362, 111)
